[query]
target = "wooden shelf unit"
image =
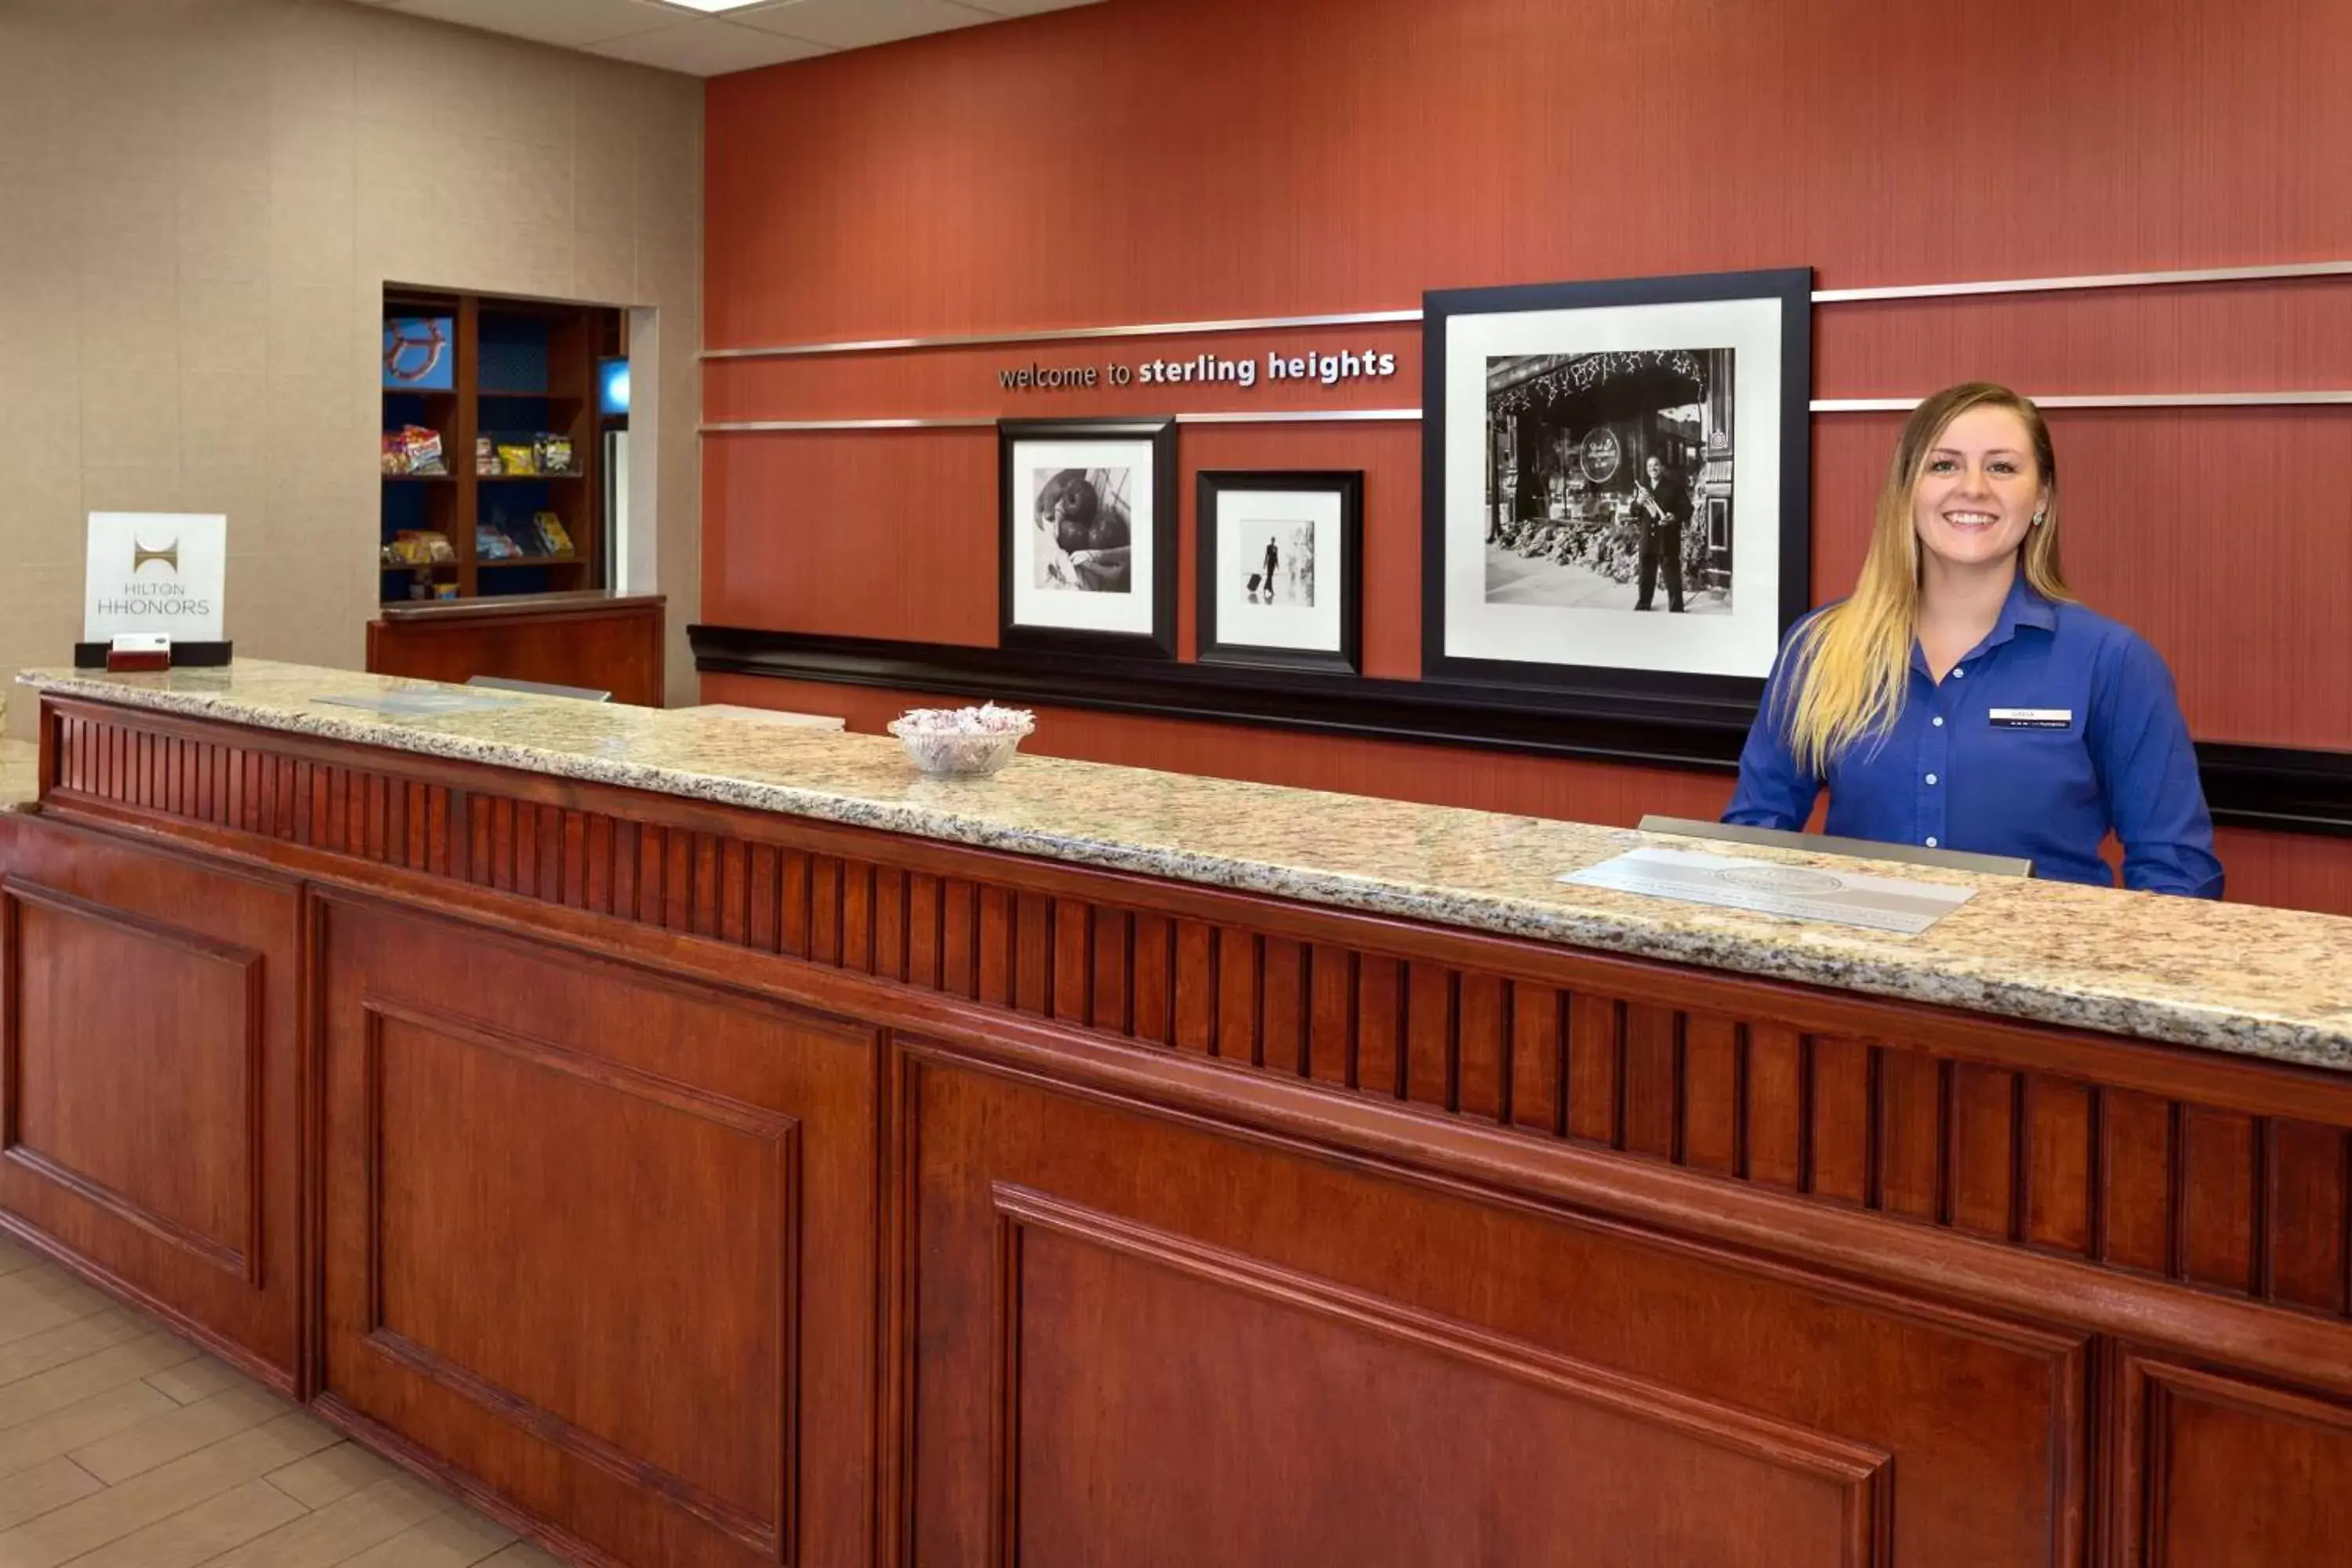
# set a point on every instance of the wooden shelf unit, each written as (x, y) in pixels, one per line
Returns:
(458, 503)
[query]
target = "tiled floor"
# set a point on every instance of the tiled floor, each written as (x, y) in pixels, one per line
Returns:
(123, 1447)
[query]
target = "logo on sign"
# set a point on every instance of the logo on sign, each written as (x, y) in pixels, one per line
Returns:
(1600, 455)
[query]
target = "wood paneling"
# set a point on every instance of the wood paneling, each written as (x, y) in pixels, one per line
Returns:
(603, 642)
(1229, 197)
(1411, 1378)
(724, 1187)
(2158, 1183)
(667, 1344)
(1236, 1410)
(148, 1069)
(159, 1126)
(2222, 1472)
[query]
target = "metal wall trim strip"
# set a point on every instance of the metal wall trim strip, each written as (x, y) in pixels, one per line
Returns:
(2315, 399)
(1220, 416)
(1389, 318)
(1076, 334)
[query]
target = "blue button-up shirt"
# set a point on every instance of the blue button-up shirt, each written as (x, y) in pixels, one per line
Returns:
(2059, 726)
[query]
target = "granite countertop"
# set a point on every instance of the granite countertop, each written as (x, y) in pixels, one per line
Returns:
(2238, 978)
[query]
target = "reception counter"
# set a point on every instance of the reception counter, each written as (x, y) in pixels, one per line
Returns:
(708, 1144)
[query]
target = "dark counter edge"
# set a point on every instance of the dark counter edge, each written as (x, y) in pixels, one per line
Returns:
(2274, 788)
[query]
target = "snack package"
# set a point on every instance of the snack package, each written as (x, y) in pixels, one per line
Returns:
(514, 458)
(396, 453)
(423, 546)
(552, 539)
(423, 449)
(486, 460)
(554, 453)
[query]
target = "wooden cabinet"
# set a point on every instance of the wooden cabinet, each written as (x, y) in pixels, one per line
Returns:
(604, 642)
(707, 1187)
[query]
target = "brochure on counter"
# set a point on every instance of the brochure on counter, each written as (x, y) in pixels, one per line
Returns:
(1801, 892)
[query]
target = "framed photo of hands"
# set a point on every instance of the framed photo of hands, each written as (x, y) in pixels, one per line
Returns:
(1086, 535)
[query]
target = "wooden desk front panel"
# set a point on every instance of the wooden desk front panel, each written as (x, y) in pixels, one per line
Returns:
(1188, 1195)
(601, 1242)
(1144, 1341)
(149, 1079)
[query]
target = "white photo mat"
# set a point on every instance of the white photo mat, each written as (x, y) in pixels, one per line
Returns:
(1742, 643)
(1244, 518)
(1130, 612)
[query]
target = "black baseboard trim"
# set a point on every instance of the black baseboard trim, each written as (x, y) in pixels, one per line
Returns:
(2271, 787)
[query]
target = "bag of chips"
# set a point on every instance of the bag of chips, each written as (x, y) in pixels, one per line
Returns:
(552, 539)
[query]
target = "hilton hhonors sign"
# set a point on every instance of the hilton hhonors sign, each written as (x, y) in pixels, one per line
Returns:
(158, 572)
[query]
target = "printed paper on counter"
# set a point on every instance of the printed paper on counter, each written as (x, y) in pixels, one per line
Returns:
(1801, 892)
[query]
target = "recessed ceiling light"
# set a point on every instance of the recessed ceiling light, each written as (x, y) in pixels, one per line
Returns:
(712, 5)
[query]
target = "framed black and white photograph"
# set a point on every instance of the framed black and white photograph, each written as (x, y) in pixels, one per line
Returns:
(1281, 563)
(1086, 535)
(1616, 484)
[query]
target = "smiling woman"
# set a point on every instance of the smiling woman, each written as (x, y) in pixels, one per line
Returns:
(1961, 699)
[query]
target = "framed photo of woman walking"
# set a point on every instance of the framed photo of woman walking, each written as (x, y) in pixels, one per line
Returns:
(1281, 563)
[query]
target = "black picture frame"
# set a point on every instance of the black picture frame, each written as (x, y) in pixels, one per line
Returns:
(1607, 690)
(1346, 488)
(1158, 436)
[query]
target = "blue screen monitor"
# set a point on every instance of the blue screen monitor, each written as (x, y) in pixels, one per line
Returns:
(612, 387)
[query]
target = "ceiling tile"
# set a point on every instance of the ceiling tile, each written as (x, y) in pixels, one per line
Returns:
(569, 23)
(708, 47)
(852, 23)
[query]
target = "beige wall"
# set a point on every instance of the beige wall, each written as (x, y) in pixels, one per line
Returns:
(200, 204)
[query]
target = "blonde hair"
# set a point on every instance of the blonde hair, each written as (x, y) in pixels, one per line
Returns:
(1853, 661)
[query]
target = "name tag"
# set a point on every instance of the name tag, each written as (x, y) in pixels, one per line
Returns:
(2032, 718)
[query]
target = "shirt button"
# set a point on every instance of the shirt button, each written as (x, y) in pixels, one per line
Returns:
(1931, 778)
(1931, 842)
(1939, 723)
(1957, 671)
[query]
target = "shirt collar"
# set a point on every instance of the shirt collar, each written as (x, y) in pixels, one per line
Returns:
(2025, 606)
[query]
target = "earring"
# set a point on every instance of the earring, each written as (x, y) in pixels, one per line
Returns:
(2037, 519)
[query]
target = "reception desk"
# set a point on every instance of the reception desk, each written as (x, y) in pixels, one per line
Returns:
(710, 1143)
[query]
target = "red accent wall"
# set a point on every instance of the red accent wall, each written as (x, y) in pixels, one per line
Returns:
(1174, 160)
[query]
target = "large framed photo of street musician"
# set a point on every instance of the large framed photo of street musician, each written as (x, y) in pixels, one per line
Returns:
(1281, 565)
(1086, 535)
(1616, 503)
